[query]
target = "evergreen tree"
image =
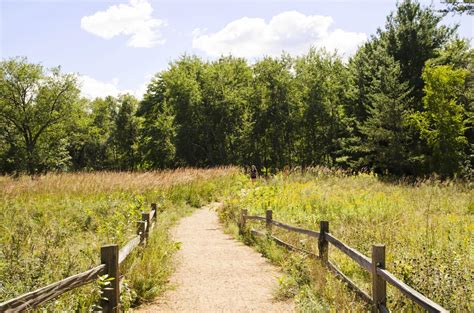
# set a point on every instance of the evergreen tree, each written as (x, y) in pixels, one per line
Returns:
(386, 135)
(413, 34)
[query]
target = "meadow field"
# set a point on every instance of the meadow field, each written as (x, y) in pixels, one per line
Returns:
(52, 227)
(427, 227)
(378, 112)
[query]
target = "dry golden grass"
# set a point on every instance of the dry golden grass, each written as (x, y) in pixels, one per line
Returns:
(85, 182)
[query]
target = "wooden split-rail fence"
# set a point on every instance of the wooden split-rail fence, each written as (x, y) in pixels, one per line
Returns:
(375, 265)
(111, 257)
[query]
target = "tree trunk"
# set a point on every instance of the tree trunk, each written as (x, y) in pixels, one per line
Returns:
(30, 163)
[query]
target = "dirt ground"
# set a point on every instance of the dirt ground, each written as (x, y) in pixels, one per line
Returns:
(216, 273)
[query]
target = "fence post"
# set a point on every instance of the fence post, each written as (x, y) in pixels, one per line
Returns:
(322, 241)
(141, 229)
(153, 208)
(268, 220)
(146, 219)
(111, 294)
(379, 286)
(243, 214)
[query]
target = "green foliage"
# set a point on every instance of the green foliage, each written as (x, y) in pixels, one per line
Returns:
(158, 132)
(125, 135)
(35, 104)
(91, 145)
(53, 227)
(185, 97)
(385, 131)
(195, 113)
(388, 87)
(321, 83)
(442, 123)
(426, 228)
(314, 109)
(413, 34)
(274, 114)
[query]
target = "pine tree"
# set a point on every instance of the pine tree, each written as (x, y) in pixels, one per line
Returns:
(385, 131)
(413, 34)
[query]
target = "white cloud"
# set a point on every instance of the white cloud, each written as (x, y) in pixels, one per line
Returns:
(289, 31)
(92, 88)
(133, 19)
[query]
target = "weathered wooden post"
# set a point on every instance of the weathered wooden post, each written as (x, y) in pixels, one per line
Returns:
(153, 208)
(323, 245)
(147, 220)
(243, 214)
(111, 294)
(268, 221)
(141, 229)
(379, 286)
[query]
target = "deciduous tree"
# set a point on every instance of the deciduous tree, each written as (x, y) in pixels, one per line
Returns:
(34, 101)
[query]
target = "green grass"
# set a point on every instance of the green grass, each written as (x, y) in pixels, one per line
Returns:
(53, 227)
(427, 228)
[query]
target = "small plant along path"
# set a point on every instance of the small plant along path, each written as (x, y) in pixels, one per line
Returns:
(216, 273)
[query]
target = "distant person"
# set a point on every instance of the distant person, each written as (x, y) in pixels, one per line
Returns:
(253, 173)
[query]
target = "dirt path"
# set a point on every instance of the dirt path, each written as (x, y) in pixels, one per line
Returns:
(216, 273)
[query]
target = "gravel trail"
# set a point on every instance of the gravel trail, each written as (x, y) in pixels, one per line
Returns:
(216, 273)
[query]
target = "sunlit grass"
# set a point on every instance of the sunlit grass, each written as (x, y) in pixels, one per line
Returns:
(53, 226)
(93, 182)
(427, 228)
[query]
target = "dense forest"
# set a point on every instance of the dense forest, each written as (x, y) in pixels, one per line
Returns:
(402, 105)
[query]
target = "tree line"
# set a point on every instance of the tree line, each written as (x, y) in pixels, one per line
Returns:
(402, 105)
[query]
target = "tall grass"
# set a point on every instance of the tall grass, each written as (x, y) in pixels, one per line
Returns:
(53, 226)
(427, 228)
(77, 183)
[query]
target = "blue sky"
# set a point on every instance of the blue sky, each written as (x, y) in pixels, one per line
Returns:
(116, 46)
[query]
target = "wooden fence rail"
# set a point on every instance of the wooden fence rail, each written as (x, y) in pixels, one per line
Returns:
(111, 258)
(35, 298)
(125, 251)
(355, 255)
(375, 265)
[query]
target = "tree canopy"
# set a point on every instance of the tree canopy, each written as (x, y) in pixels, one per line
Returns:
(35, 104)
(402, 105)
